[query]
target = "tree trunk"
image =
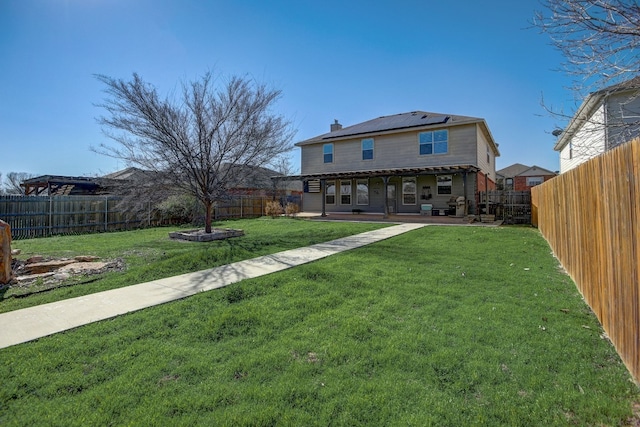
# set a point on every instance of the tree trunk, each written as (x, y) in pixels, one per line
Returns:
(207, 219)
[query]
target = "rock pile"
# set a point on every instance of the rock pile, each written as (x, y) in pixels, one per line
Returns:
(37, 267)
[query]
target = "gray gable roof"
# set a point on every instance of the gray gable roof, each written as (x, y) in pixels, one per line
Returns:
(536, 171)
(413, 119)
(513, 170)
(518, 169)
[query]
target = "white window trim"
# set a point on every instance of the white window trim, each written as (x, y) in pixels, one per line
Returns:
(350, 192)
(366, 181)
(373, 149)
(415, 192)
(327, 194)
(333, 154)
(433, 142)
(438, 186)
(538, 180)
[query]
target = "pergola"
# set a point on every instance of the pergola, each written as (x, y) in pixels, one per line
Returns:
(60, 185)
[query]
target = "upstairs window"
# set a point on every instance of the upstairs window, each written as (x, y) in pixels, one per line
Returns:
(367, 149)
(327, 151)
(435, 142)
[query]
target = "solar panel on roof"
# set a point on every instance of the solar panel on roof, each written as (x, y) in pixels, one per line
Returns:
(398, 121)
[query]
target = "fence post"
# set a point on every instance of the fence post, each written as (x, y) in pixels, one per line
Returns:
(50, 215)
(106, 213)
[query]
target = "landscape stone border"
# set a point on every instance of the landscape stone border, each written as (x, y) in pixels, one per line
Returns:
(199, 235)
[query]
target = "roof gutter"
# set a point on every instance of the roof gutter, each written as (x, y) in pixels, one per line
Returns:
(582, 115)
(586, 110)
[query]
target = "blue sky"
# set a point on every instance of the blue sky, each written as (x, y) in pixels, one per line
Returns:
(345, 60)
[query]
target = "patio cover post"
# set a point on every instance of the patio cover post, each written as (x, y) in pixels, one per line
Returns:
(385, 181)
(323, 185)
(464, 193)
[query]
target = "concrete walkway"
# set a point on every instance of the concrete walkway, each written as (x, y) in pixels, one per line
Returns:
(31, 323)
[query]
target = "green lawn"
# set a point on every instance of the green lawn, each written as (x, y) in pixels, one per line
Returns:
(150, 254)
(440, 326)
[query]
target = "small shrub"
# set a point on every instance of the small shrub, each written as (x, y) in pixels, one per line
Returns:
(273, 209)
(179, 209)
(291, 209)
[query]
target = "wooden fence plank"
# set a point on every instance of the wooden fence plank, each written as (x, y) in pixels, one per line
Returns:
(590, 216)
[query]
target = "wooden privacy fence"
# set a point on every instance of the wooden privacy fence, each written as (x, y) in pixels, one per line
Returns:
(590, 216)
(49, 215)
(31, 216)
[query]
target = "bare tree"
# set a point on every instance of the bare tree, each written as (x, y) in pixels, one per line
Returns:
(13, 180)
(599, 39)
(284, 167)
(200, 141)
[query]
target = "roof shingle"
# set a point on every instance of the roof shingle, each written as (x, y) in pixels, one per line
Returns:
(412, 119)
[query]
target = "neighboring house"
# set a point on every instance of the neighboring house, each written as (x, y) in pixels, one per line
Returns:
(396, 164)
(519, 177)
(255, 181)
(606, 118)
(259, 181)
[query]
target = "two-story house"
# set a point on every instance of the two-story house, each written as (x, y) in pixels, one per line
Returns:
(606, 119)
(398, 163)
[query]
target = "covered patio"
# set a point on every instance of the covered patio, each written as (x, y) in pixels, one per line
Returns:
(396, 218)
(316, 186)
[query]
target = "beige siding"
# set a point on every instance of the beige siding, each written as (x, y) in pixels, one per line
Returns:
(426, 184)
(312, 202)
(488, 167)
(399, 150)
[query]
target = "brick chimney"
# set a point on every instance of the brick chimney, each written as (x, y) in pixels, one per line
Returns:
(335, 126)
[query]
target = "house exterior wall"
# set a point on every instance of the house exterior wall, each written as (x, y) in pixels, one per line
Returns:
(485, 157)
(399, 150)
(426, 192)
(520, 183)
(623, 118)
(588, 142)
(484, 182)
(530, 178)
